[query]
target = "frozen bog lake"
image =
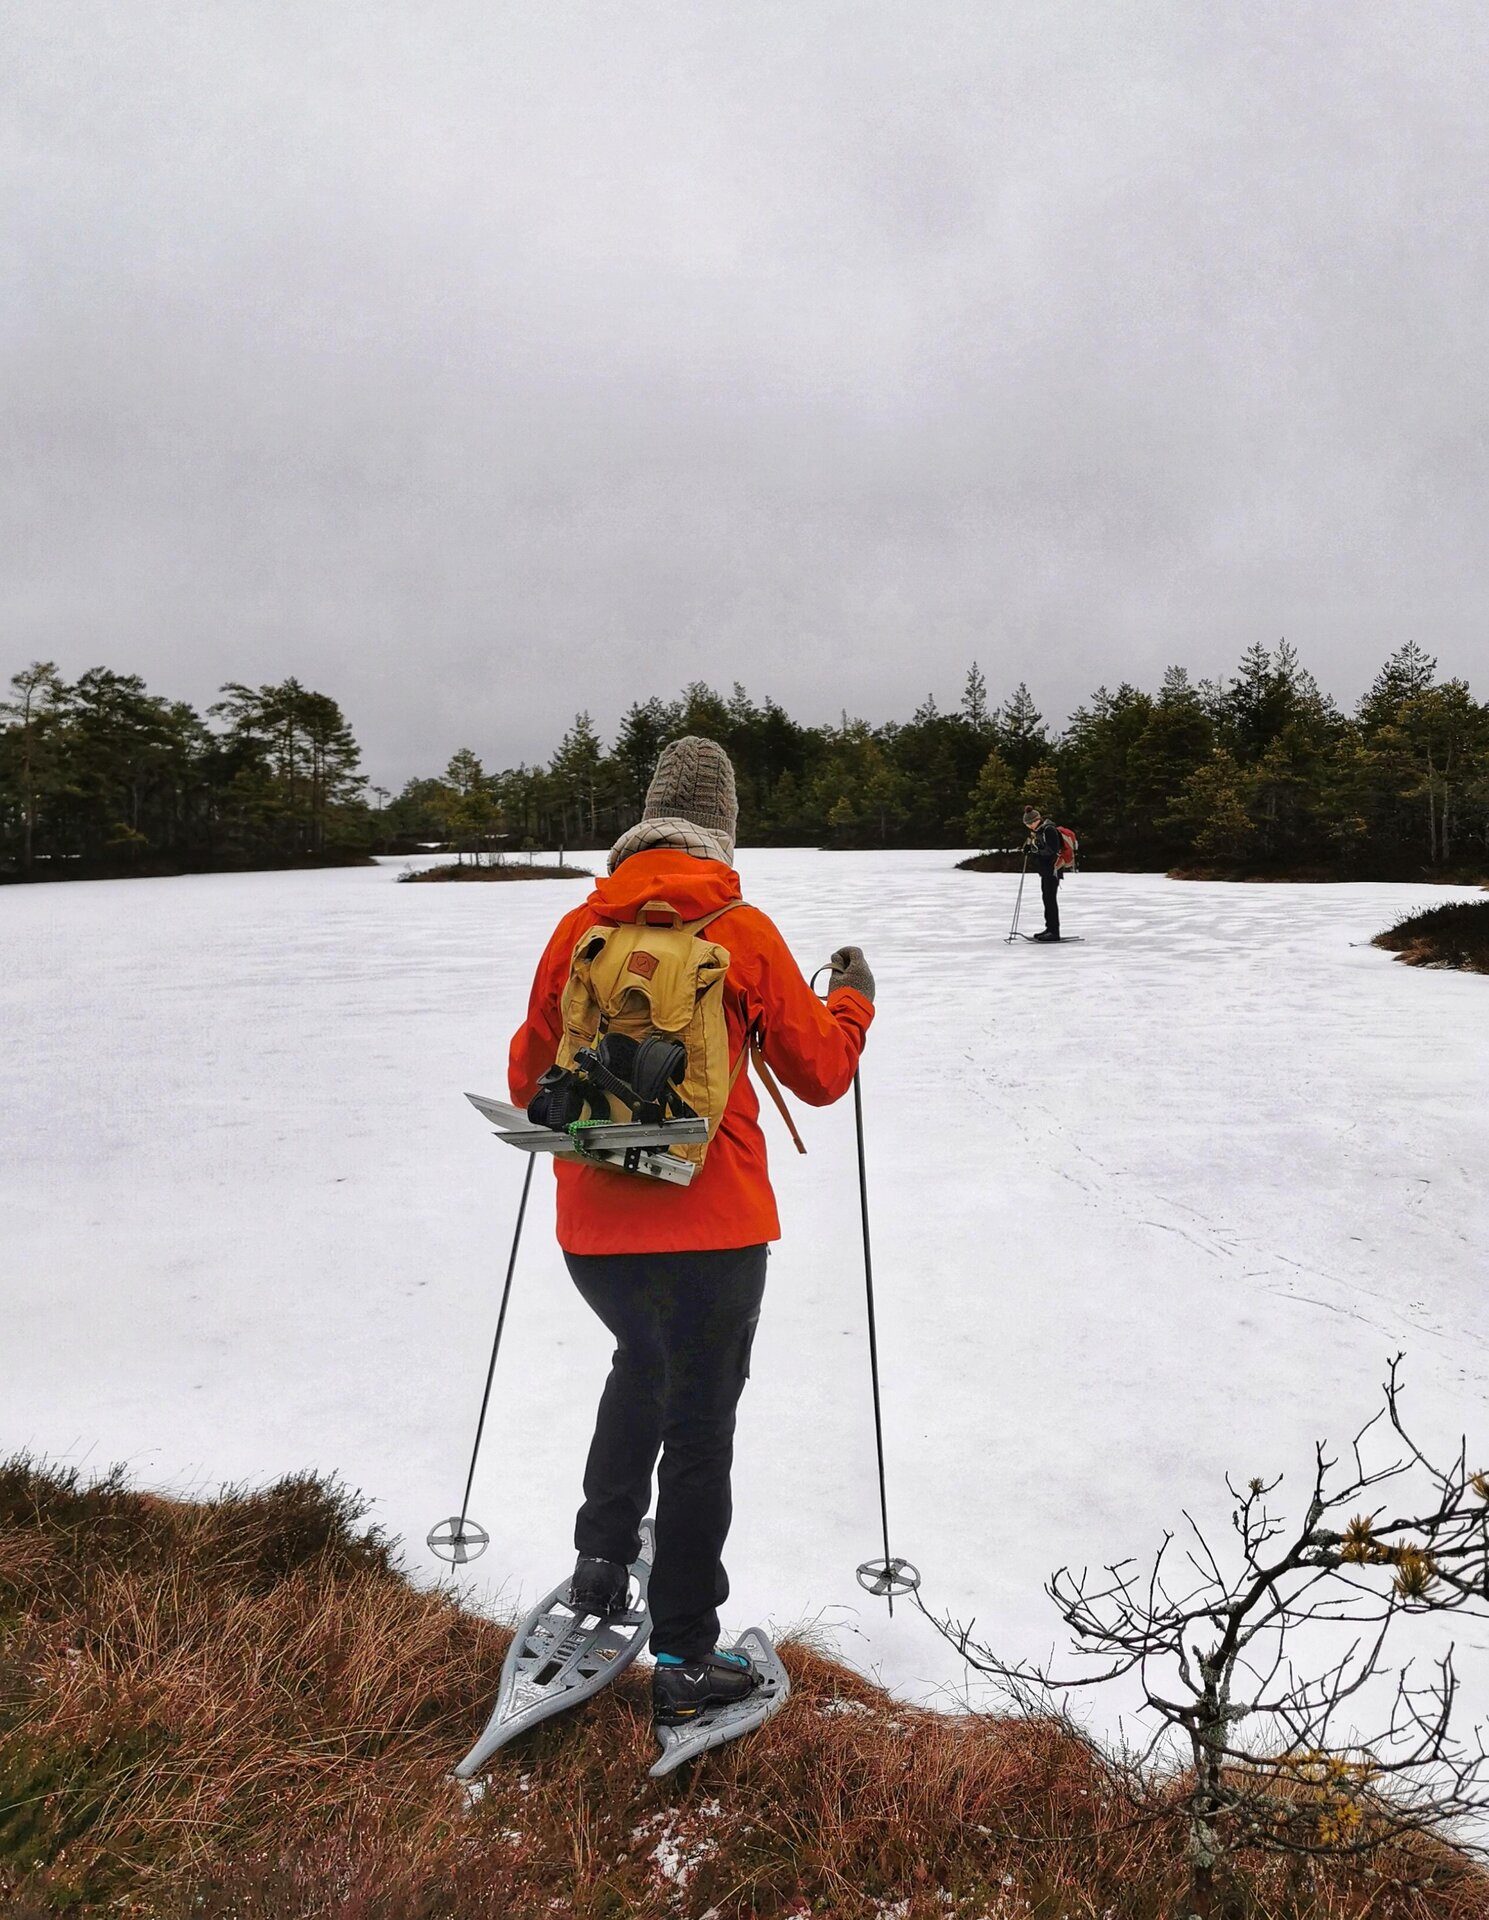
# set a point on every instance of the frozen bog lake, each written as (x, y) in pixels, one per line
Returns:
(1146, 1210)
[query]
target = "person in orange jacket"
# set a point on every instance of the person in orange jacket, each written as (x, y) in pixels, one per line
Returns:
(677, 1273)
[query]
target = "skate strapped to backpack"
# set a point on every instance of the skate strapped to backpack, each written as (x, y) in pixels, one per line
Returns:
(627, 1146)
(643, 1073)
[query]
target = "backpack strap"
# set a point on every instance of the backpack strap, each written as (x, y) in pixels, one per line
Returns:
(769, 1081)
(650, 915)
(697, 926)
(752, 1040)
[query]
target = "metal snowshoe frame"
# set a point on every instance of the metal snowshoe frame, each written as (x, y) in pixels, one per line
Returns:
(560, 1657)
(631, 1145)
(715, 1726)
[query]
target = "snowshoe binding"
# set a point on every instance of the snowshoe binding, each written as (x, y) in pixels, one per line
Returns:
(598, 1587)
(680, 1690)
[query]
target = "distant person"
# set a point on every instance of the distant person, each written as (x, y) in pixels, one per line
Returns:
(1047, 848)
(677, 1272)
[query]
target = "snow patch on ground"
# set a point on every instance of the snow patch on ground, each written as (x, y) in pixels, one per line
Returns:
(1146, 1210)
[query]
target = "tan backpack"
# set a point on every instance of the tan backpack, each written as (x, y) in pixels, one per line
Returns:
(650, 977)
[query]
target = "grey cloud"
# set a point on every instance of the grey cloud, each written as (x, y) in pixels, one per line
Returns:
(478, 363)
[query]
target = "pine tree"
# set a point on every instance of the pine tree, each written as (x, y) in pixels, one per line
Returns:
(1021, 734)
(576, 773)
(1177, 738)
(1256, 704)
(30, 763)
(1211, 808)
(1096, 762)
(993, 811)
(644, 730)
(1042, 790)
(1445, 734)
(295, 760)
(132, 758)
(1409, 672)
(975, 709)
(704, 713)
(469, 807)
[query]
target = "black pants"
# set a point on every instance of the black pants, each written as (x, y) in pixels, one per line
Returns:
(1049, 886)
(683, 1324)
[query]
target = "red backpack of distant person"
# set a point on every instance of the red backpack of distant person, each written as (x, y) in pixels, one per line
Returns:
(1069, 847)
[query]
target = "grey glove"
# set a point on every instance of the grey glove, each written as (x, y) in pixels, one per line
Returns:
(850, 969)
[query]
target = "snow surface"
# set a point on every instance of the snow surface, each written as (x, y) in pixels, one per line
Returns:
(1145, 1210)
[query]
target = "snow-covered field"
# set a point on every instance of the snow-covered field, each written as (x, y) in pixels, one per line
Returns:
(1145, 1210)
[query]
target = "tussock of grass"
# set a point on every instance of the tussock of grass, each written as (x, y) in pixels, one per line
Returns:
(239, 1708)
(1456, 935)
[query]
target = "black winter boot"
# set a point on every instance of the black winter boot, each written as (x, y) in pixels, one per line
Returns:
(599, 1586)
(678, 1693)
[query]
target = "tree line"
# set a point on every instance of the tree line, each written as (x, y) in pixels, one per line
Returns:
(1261, 770)
(1258, 771)
(99, 776)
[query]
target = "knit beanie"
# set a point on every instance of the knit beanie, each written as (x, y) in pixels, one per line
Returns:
(694, 781)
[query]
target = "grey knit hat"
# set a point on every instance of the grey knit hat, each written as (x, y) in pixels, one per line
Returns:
(694, 781)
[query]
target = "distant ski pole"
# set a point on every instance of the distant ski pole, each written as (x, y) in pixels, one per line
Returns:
(458, 1540)
(886, 1576)
(1018, 901)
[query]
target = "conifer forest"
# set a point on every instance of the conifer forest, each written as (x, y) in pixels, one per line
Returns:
(1260, 772)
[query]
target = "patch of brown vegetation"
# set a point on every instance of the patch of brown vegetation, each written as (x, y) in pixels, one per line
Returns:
(497, 870)
(1315, 873)
(239, 1708)
(1455, 936)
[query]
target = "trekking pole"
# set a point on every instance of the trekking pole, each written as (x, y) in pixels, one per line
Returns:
(459, 1539)
(1018, 901)
(885, 1576)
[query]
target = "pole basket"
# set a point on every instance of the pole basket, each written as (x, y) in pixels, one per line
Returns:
(885, 1578)
(457, 1540)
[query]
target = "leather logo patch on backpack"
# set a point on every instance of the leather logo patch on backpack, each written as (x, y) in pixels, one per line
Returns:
(643, 963)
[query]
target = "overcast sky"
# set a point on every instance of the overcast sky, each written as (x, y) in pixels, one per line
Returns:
(476, 362)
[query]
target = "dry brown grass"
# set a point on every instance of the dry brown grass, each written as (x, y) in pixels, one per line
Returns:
(498, 871)
(239, 1708)
(1455, 935)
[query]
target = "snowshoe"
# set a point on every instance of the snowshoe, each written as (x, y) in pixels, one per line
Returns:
(561, 1655)
(693, 1723)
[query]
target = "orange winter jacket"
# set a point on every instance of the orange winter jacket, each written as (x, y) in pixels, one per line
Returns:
(813, 1047)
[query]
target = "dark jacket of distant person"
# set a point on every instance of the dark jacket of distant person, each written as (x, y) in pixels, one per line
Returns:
(1046, 845)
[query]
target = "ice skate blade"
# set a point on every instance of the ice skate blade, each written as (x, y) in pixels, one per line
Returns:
(632, 1146)
(559, 1658)
(717, 1725)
